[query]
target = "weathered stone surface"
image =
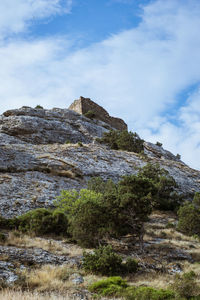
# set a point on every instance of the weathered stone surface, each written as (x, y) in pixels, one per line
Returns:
(83, 105)
(36, 164)
(32, 256)
(39, 126)
(7, 273)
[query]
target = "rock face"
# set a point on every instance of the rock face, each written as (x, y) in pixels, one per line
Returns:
(83, 105)
(36, 163)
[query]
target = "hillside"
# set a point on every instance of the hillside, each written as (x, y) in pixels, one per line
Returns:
(45, 151)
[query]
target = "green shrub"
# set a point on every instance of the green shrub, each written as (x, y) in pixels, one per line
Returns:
(105, 261)
(170, 225)
(123, 140)
(130, 266)
(80, 144)
(186, 285)
(86, 213)
(90, 114)
(189, 219)
(8, 223)
(164, 194)
(3, 237)
(39, 107)
(68, 142)
(159, 144)
(43, 221)
(112, 286)
(116, 286)
(196, 199)
(148, 293)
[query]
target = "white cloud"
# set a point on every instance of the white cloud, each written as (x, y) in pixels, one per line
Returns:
(136, 74)
(14, 16)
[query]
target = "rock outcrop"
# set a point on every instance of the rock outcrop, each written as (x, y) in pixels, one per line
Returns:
(36, 163)
(84, 105)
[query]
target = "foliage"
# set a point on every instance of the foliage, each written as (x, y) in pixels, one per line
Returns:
(105, 261)
(90, 114)
(86, 214)
(178, 156)
(196, 200)
(3, 237)
(159, 144)
(80, 144)
(112, 286)
(164, 195)
(8, 223)
(148, 293)
(122, 140)
(43, 221)
(107, 209)
(39, 107)
(116, 286)
(189, 219)
(127, 203)
(98, 185)
(135, 195)
(186, 285)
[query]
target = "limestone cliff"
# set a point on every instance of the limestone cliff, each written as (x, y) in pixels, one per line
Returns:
(36, 163)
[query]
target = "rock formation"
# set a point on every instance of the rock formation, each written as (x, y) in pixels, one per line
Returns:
(41, 154)
(84, 105)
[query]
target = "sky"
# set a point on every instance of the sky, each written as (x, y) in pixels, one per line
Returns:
(139, 59)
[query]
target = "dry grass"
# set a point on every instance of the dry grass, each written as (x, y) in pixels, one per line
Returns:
(10, 294)
(53, 246)
(155, 280)
(49, 278)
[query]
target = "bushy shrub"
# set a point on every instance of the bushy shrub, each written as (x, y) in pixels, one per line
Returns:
(80, 144)
(8, 223)
(116, 286)
(196, 200)
(43, 221)
(164, 194)
(185, 285)
(39, 107)
(3, 237)
(90, 114)
(148, 293)
(130, 266)
(123, 140)
(159, 144)
(86, 213)
(189, 219)
(112, 286)
(105, 261)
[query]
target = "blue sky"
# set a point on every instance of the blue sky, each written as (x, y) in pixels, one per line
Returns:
(139, 59)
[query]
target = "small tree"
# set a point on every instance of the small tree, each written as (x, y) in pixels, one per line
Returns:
(196, 200)
(185, 286)
(164, 195)
(123, 140)
(86, 214)
(189, 219)
(135, 194)
(159, 144)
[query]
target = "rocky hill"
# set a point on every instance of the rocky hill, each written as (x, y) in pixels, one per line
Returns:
(44, 151)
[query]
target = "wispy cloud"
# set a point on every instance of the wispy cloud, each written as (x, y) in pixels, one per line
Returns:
(136, 74)
(16, 17)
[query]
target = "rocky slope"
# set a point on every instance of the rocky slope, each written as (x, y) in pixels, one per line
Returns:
(45, 151)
